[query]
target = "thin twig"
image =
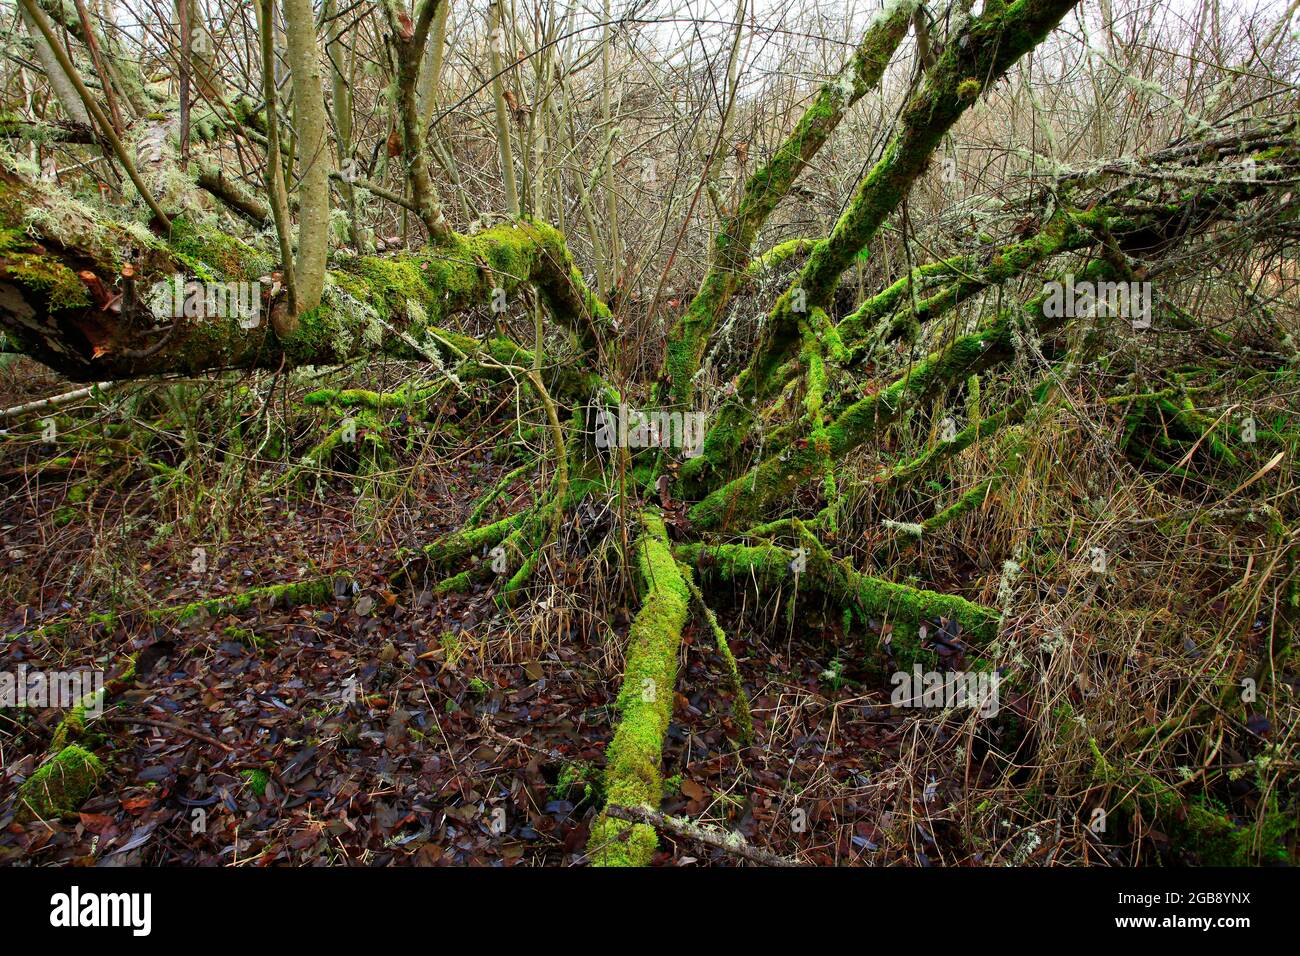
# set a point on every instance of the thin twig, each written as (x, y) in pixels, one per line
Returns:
(731, 842)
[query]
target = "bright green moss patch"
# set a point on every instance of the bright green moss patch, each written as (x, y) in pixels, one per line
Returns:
(645, 703)
(59, 786)
(210, 250)
(256, 780)
(615, 842)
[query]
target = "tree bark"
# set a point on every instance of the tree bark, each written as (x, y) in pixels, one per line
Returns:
(313, 153)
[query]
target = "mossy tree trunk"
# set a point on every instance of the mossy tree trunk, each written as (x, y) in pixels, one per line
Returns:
(98, 300)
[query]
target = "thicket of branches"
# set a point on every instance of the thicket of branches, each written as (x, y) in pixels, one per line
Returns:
(845, 239)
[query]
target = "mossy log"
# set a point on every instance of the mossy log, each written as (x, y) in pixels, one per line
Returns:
(76, 290)
(645, 703)
(873, 596)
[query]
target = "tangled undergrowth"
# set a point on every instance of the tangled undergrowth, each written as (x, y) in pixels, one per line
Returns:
(986, 551)
(1143, 642)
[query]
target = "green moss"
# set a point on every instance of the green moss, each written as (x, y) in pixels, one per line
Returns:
(778, 256)
(128, 672)
(452, 647)
(411, 293)
(60, 785)
(256, 780)
(215, 255)
(615, 842)
(312, 591)
(70, 728)
(645, 702)
(392, 280)
(48, 276)
(1198, 826)
(765, 189)
(245, 636)
(743, 500)
(994, 44)
(731, 425)
(446, 551)
(574, 775)
(872, 596)
(905, 647)
(104, 619)
(403, 397)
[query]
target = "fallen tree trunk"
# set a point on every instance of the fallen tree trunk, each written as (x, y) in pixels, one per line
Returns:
(645, 703)
(96, 299)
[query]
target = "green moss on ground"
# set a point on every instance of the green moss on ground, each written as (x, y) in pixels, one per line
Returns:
(1197, 826)
(256, 780)
(71, 729)
(245, 636)
(60, 786)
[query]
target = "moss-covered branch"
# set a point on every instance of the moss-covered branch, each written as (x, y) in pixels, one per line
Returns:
(837, 578)
(980, 56)
(1063, 232)
(82, 293)
(645, 703)
(743, 500)
(769, 185)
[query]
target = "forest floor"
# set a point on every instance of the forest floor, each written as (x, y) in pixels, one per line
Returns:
(377, 730)
(389, 727)
(386, 726)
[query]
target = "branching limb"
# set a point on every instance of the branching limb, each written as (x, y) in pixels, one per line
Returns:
(838, 579)
(740, 701)
(768, 186)
(732, 842)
